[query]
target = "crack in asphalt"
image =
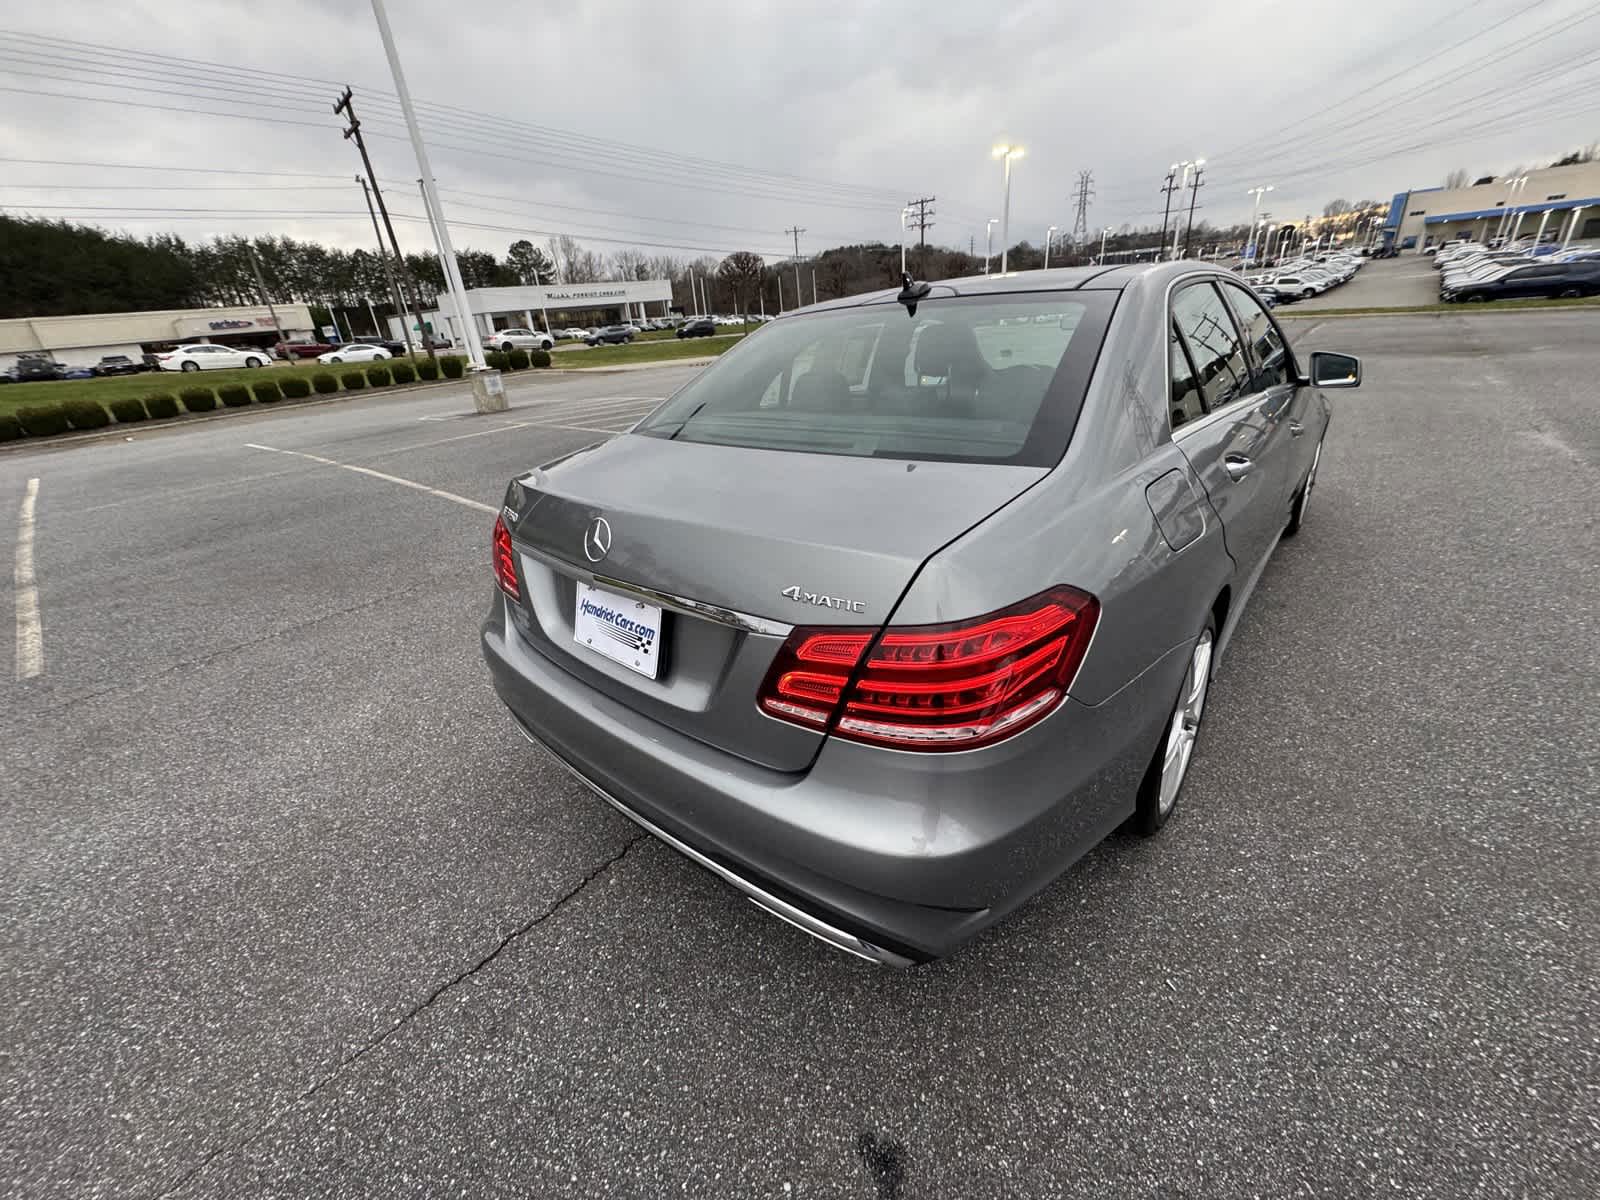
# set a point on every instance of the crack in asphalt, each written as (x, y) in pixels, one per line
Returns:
(407, 1017)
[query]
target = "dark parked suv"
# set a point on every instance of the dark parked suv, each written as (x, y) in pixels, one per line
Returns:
(612, 334)
(699, 327)
(1580, 278)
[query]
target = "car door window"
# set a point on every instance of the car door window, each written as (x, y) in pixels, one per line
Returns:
(1186, 403)
(1273, 366)
(1207, 329)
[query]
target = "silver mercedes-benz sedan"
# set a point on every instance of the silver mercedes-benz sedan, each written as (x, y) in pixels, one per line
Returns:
(908, 601)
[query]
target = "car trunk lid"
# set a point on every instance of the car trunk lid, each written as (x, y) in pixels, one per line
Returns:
(737, 544)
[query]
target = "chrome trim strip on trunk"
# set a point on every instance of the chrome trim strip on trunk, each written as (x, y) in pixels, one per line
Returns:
(839, 939)
(744, 622)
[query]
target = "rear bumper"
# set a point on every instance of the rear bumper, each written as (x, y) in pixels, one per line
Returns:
(895, 857)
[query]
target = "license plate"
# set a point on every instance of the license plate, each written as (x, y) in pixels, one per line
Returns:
(625, 630)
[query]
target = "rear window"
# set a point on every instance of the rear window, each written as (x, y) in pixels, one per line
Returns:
(968, 379)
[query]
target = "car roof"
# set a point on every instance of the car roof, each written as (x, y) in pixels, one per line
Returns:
(1062, 279)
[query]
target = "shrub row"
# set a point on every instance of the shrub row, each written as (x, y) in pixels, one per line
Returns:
(47, 420)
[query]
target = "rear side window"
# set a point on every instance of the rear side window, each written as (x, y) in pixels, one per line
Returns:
(995, 379)
(1207, 328)
(1272, 366)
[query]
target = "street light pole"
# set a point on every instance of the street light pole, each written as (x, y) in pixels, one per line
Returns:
(452, 273)
(1006, 153)
(1194, 192)
(1255, 212)
(988, 241)
(1049, 236)
(1103, 233)
(904, 213)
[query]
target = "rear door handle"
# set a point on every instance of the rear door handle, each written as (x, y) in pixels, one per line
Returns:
(1296, 429)
(1237, 466)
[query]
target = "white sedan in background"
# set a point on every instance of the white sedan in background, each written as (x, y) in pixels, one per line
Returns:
(355, 352)
(207, 356)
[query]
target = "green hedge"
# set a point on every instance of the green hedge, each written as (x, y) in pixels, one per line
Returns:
(296, 387)
(518, 359)
(268, 392)
(10, 428)
(161, 404)
(353, 381)
(42, 420)
(324, 383)
(378, 375)
(497, 360)
(128, 409)
(234, 395)
(452, 367)
(428, 369)
(198, 399)
(539, 358)
(403, 372)
(84, 413)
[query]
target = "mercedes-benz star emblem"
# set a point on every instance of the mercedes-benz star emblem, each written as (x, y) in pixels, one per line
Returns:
(597, 540)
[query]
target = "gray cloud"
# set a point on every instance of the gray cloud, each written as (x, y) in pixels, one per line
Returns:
(865, 105)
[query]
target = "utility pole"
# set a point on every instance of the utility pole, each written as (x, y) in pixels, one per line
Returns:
(1085, 193)
(488, 393)
(1170, 186)
(799, 295)
(1195, 185)
(265, 299)
(353, 131)
(922, 225)
(395, 298)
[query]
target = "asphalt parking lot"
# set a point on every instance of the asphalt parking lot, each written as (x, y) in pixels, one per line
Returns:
(1402, 282)
(292, 910)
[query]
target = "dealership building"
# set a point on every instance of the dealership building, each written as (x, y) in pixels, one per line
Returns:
(1559, 204)
(82, 341)
(555, 306)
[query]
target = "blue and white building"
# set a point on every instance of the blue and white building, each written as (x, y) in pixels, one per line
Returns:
(1559, 204)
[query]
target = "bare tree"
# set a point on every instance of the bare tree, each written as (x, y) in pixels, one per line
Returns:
(631, 264)
(1459, 178)
(1334, 208)
(741, 271)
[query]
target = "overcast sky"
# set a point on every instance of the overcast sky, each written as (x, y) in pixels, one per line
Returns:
(747, 118)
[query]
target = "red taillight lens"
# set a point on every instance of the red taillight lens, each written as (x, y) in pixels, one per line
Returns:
(505, 560)
(935, 687)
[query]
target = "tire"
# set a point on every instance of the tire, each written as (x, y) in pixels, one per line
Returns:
(1308, 293)
(1474, 298)
(334, 362)
(507, 348)
(189, 366)
(252, 361)
(1571, 293)
(1163, 785)
(1302, 498)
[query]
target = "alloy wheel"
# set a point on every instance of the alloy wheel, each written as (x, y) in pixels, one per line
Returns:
(1185, 724)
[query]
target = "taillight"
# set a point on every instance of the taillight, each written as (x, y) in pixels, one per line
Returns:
(935, 687)
(505, 560)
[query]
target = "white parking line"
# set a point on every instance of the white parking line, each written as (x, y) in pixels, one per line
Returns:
(30, 631)
(407, 483)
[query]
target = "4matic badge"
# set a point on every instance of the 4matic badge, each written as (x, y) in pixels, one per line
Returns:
(800, 596)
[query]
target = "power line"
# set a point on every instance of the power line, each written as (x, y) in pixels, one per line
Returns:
(923, 225)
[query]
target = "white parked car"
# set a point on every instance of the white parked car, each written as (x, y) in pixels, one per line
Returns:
(355, 352)
(207, 356)
(1296, 286)
(574, 332)
(518, 339)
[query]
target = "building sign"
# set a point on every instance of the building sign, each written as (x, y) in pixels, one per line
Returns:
(612, 293)
(233, 324)
(200, 325)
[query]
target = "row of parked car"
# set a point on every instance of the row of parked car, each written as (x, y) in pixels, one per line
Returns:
(1471, 271)
(1303, 278)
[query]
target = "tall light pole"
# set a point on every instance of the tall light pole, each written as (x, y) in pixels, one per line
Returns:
(1006, 153)
(1104, 233)
(1512, 190)
(1255, 213)
(489, 397)
(1049, 236)
(988, 241)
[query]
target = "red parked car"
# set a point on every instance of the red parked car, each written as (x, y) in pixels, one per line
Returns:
(302, 349)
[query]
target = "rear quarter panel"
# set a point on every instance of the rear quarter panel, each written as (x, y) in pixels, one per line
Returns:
(1088, 523)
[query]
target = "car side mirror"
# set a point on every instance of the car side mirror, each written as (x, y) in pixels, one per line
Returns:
(1330, 370)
